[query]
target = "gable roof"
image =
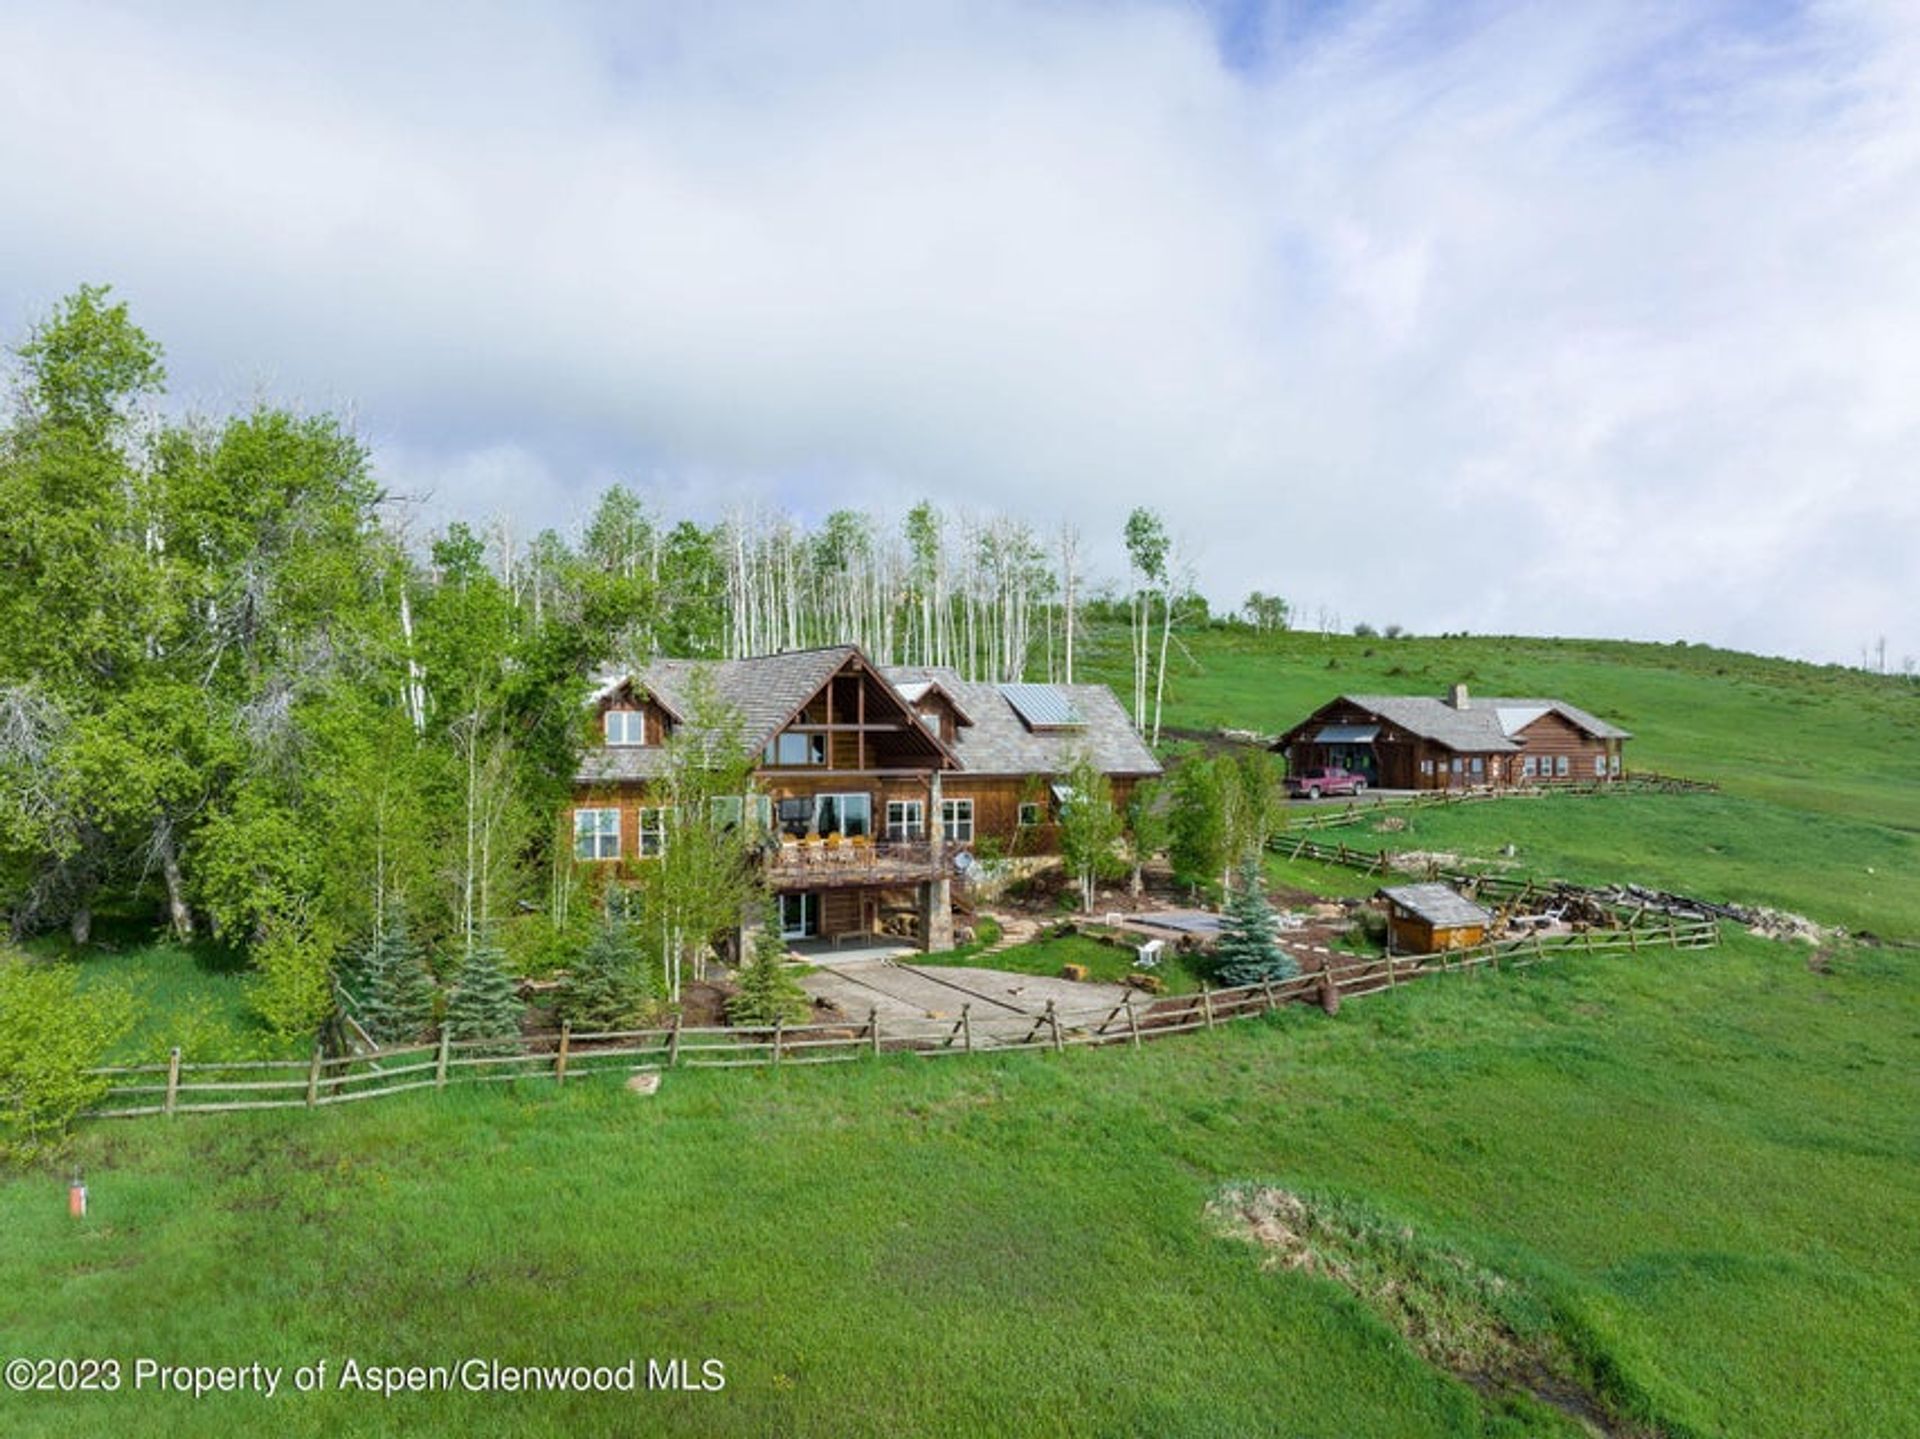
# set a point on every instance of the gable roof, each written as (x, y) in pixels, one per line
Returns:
(999, 743)
(766, 691)
(1486, 725)
(1437, 904)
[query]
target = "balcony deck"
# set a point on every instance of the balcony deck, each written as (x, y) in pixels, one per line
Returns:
(821, 864)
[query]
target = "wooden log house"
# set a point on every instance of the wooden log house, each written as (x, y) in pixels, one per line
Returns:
(1459, 742)
(871, 782)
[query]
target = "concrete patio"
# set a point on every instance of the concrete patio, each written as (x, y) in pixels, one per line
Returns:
(1004, 1005)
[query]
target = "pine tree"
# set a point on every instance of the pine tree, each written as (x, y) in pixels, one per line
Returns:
(768, 990)
(483, 1004)
(610, 984)
(398, 1000)
(1249, 951)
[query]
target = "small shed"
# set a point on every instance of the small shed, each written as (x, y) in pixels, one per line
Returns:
(1427, 918)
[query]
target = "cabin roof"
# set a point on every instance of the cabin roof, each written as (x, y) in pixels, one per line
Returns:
(768, 689)
(765, 690)
(1438, 904)
(1487, 724)
(1000, 742)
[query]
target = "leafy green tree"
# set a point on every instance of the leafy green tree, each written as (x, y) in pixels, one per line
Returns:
(293, 988)
(704, 878)
(1249, 950)
(483, 1003)
(1090, 827)
(1148, 831)
(398, 1000)
(610, 984)
(1198, 840)
(769, 992)
(54, 1031)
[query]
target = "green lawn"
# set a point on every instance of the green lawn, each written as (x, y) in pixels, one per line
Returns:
(1707, 1161)
(1817, 739)
(1716, 846)
(194, 996)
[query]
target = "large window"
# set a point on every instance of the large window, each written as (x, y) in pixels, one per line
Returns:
(1030, 815)
(1561, 766)
(905, 819)
(1599, 766)
(956, 820)
(849, 815)
(626, 726)
(792, 749)
(596, 834)
(653, 831)
(1526, 766)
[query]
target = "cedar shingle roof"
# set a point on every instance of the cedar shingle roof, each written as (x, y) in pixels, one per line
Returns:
(767, 689)
(1486, 725)
(998, 742)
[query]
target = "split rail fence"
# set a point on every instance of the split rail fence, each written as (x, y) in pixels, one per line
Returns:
(181, 1087)
(1356, 810)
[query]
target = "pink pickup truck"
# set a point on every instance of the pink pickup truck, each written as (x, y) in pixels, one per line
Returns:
(1315, 782)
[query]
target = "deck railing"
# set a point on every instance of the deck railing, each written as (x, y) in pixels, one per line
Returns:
(862, 858)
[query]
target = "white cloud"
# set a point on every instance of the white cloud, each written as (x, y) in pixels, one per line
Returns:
(1592, 319)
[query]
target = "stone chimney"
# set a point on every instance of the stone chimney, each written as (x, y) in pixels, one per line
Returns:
(1457, 697)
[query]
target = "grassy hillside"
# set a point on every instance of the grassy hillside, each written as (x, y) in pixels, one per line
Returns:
(1820, 766)
(1707, 1162)
(1816, 738)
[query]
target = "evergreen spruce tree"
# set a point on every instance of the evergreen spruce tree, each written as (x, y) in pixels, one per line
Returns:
(768, 990)
(610, 985)
(1249, 951)
(396, 1004)
(483, 1003)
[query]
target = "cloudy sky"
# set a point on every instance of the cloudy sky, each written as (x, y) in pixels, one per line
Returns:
(1571, 317)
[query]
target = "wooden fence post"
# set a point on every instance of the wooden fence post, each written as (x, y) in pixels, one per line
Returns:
(1206, 1003)
(673, 1043)
(560, 1059)
(1133, 1023)
(966, 1026)
(1266, 990)
(779, 1032)
(313, 1078)
(1053, 1020)
(873, 1028)
(440, 1061)
(173, 1079)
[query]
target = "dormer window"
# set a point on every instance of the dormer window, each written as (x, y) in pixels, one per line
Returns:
(626, 727)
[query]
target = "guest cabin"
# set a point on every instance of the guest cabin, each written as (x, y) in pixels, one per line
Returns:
(875, 785)
(1459, 742)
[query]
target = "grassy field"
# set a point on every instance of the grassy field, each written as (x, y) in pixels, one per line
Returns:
(1717, 846)
(1812, 738)
(1820, 766)
(1704, 1164)
(1707, 1162)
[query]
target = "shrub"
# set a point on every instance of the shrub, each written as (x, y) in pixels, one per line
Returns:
(399, 996)
(52, 1031)
(610, 983)
(768, 990)
(293, 991)
(1249, 951)
(483, 1003)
